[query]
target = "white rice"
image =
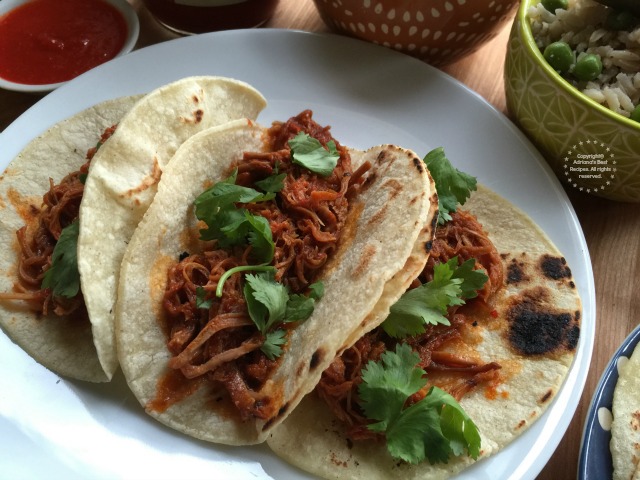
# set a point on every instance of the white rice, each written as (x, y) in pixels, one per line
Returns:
(581, 25)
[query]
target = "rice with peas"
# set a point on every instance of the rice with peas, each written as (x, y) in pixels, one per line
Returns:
(582, 26)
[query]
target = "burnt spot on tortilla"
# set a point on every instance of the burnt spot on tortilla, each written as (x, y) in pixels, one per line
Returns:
(316, 358)
(383, 156)
(434, 220)
(283, 410)
(546, 396)
(418, 164)
(196, 117)
(515, 272)
(521, 424)
(428, 245)
(572, 337)
(536, 327)
(635, 420)
(195, 99)
(554, 267)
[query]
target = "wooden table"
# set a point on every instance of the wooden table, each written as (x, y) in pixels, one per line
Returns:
(612, 229)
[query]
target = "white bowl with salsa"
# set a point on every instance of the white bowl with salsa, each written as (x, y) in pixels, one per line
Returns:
(45, 43)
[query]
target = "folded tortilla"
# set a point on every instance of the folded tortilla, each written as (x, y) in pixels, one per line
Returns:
(533, 338)
(625, 428)
(392, 220)
(62, 344)
(123, 180)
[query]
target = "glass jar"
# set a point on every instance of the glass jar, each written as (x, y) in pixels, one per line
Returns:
(199, 16)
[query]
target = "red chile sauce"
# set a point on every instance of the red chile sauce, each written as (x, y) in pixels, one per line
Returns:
(51, 41)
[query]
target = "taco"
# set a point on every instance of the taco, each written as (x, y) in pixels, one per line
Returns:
(56, 334)
(625, 427)
(123, 181)
(59, 271)
(262, 251)
(469, 357)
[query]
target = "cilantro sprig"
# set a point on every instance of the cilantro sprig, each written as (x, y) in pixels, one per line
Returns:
(452, 284)
(230, 225)
(270, 304)
(433, 428)
(309, 153)
(63, 277)
(453, 186)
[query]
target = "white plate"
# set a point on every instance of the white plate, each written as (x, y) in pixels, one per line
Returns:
(369, 95)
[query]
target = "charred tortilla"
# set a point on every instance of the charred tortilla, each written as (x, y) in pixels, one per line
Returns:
(533, 337)
(390, 223)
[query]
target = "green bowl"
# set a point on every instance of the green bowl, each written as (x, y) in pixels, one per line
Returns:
(590, 147)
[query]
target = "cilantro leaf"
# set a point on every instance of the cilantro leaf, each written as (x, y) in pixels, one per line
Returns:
(472, 280)
(270, 304)
(387, 385)
(272, 344)
(415, 309)
(230, 225)
(309, 153)
(240, 227)
(300, 307)
(273, 183)
(432, 428)
(216, 208)
(456, 425)
(201, 298)
(459, 429)
(428, 303)
(266, 300)
(260, 237)
(417, 427)
(316, 290)
(63, 277)
(453, 186)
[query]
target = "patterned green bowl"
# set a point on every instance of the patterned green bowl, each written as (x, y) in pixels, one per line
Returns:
(590, 147)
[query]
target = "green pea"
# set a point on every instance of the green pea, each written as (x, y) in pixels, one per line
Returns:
(553, 5)
(621, 20)
(635, 114)
(560, 56)
(587, 67)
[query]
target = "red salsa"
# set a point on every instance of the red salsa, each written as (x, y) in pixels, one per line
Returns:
(51, 41)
